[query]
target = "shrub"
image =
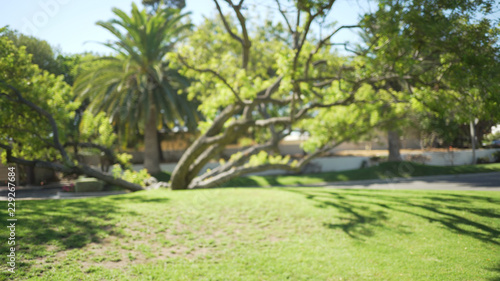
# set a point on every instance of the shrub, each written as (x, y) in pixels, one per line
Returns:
(132, 176)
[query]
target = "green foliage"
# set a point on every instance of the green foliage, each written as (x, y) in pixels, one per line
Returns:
(42, 53)
(443, 57)
(162, 176)
(97, 128)
(271, 56)
(212, 45)
(492, 136)
(46, 57)
(132, 176)
(126, 85)
(29, 133)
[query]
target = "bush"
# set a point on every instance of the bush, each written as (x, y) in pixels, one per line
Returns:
(162, 176)
(496, 157)
(132, 176)
(483, 160)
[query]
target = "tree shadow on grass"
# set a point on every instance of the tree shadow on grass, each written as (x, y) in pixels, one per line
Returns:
(359, 220)
(368, 209)
(46, 227)
(497, 270)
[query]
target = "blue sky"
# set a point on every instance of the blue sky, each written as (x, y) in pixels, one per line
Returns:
(70, 24)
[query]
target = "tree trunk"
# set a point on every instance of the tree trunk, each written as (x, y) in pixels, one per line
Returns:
(394, 146)
(85, 170)
(160, 152)
(473, 141)
(151, 153)
(79, 170)
(181, 175)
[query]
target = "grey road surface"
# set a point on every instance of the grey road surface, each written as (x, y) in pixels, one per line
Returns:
(476, 182)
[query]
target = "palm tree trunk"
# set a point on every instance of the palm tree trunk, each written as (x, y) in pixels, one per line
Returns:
(151, 153)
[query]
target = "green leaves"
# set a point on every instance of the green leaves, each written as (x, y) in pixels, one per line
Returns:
(125, 86)
(28, 130)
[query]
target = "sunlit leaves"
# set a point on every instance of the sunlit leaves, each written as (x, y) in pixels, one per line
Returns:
(28, 132)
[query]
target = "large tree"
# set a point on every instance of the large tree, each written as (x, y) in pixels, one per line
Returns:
(443, 56)
(137, 87)
(39, 128)
(265, 80)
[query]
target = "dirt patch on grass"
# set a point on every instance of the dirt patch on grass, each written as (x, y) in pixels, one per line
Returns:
(131, 243)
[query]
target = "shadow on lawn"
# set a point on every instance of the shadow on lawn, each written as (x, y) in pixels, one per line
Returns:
(65, 224)
(365, 210)
(497, 270)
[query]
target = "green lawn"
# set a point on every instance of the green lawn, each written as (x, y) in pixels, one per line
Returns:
(260, 234)
(385, 170)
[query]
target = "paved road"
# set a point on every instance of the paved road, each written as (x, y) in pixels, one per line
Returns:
(477, 182)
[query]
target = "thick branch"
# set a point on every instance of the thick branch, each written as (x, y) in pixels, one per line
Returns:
(226, 24)
(245, 41)
(230, 164)
(235, 172)
(80, 170)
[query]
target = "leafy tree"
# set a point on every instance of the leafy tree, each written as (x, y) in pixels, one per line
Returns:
(46, 57)
(38, 125)
(443, 55)
(267, 80)
(138, 88)
(42, 53)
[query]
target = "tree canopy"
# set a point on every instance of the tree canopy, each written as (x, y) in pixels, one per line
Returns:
(38, 127)
(443, 57)
(267, 80)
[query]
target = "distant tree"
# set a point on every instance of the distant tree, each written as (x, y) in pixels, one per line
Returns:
(45, 57)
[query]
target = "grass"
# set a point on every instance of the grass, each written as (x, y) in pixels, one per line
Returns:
(260, 234)
(383, 171)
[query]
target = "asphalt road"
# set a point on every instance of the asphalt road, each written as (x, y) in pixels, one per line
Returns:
(473, 182)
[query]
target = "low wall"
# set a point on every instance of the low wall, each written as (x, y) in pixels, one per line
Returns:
(455, 158)
(342, 163)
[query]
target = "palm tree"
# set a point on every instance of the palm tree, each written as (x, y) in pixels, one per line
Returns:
(136, 87)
